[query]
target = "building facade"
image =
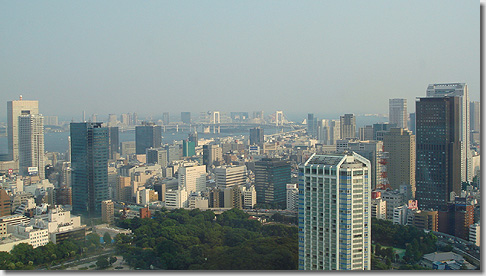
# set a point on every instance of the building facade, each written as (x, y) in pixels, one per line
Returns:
(147, 136)
(460, 91)
(438, 154)
(271, 178)
(89, 165)
(31, 144)
(398, 113)
(14, 110)
(334, 213)
(348, 126)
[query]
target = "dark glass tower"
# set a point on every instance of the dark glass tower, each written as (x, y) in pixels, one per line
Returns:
(147, 136)
(89, 163)
(311, 125)
(256, 136)
(114, 142)
(271, 178)
(438, 169)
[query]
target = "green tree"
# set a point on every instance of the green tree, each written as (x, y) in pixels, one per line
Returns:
(102, 262)
(107, 238)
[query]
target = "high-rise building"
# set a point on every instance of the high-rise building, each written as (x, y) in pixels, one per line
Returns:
(31, 144)
(271, 178)
(229, 176)
(398, 113)
(148, 135)
(194, 138)
(186, 118)
(371, 150)
(112, 119)
(380, 129)
(173, 153)
(89, 164)
(212, 153)
(366, 133)
(108, 211)
(14, 110)
(165, 118)
(412, 123)
(348, 126)
(458, 90)
(400, 145)
(311, 125)
(438, 154)
(188, 148)
(114, 143)
(334, 213)
(329, 132)
(192, 178)
(292, 197)
(475, 116)
(157, 156)
(257, 136)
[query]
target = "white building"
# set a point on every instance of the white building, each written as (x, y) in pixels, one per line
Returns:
(292, 197)
(458, 90)
(393, 200)
(400, 215)
(378, 208)
(229, 176)
(31, 145)
(334, 213)
(36, 236)
(398, 113)
(475, 233)
(192, 178)
(198, 202)
(249, 196)
(175, 199)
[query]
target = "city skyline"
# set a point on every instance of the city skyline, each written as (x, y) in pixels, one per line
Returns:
(172, 57)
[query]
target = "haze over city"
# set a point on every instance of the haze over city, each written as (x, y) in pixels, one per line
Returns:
(326, 57)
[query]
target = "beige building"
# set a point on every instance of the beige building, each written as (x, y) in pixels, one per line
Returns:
(14, 110)
(229, 176)
(31, 144)
(400, 145)
(108, 211)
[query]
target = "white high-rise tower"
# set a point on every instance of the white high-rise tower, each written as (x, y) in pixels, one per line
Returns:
(31, 143)
(335, 213)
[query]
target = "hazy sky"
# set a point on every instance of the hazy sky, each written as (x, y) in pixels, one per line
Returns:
(151, 57)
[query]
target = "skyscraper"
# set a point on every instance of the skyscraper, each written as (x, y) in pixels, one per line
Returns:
(271, 178)
(398, 113)
(475, 116)
(114, 142)
(400, 145)
(212, 153)
(188, 148)
(14, 110)
(157, 156)
(348, 126)
(438, 155)
(186, 117)
(335, 213)
(148, 135)
(257, 136)
(311, 125)
(412, 123)
(194, 138)
(165, 118)
(458, 90)
(31, 143)
(89, 164)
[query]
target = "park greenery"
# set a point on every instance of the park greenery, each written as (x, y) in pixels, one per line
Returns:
(415, 241)
(200, 240)
(24, 257)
